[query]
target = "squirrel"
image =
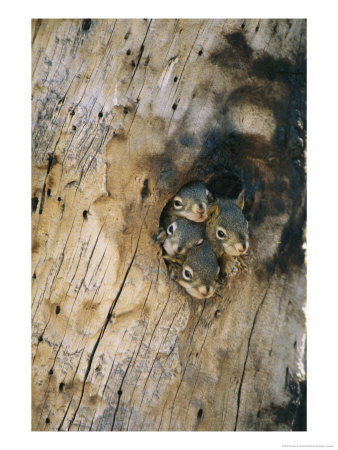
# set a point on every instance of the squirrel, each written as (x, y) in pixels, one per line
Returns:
(182, 235)
(197, 271)
(228, 233)
(191, 202)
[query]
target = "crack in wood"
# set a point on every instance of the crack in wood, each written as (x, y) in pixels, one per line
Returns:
(106, 323)
(139, 56)
(247, 354)
(119, 392)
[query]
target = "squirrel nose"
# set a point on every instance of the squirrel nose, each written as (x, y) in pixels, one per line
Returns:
(245, 247)
(206, 291)
(242, 248)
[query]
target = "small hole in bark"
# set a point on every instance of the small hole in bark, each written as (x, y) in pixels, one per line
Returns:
(243, 26)
(126, 35)
(85, 214)
(133, 64)
(175, 79)
(145, 189)
(72, 113)
(174, 106)
(200, 53)
(217, 313)
(257, 28)
(100, 114)
(119, 392)
(51, 372)
(61, 386)
(275, 28)
(200, 413)
(295, 344)
(128, 51)
(47, 420)
(259, 414)
(86, 24)
(125, 110)
(74, 128)
(57, 309)
(197, 354)
(35, 202)
(40, 339)
(34, 276)
(59, 199)
(49, 192)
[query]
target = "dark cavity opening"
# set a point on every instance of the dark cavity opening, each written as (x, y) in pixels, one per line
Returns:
(86, 24)
(57, 309)
(61, 386)
(51, 372)
(85, 214)
(100, 114)
(200, 413)
(40, 339)
(49, 192)
(175, 79)
(47, 420)
(174, 106)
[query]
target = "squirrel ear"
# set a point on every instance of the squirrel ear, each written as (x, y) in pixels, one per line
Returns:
(241, 199)
(213, 212)
(175, 265)
(174, 260)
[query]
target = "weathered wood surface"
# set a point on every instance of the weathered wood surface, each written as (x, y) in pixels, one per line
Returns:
(124, 113)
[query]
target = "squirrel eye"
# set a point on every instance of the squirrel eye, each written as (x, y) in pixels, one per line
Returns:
(187, 274)
(221, 234)
(171, 228)
(178, 204)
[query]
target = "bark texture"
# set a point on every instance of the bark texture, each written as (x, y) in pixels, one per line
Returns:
(125, 112)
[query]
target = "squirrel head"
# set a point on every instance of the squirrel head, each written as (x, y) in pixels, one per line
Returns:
(197, 272)
(228, 228)
(182, 235)
(192, 202)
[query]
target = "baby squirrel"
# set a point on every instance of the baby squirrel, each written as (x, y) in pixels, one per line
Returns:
(227, 232)
(191, 202)
(182, 235)
(197, 272)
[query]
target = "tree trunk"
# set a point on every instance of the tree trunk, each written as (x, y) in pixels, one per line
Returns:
(124, 113)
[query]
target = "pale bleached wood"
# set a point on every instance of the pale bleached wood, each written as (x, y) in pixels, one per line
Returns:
(117, 345)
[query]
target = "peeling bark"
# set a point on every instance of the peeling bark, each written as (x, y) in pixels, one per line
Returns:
(125, 112)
